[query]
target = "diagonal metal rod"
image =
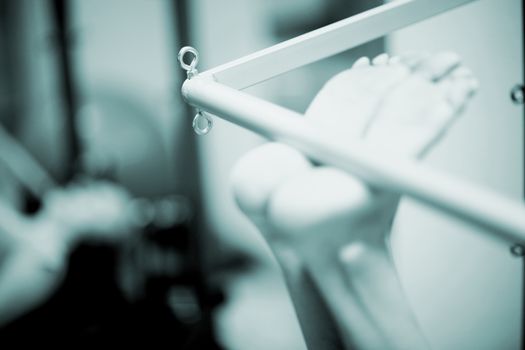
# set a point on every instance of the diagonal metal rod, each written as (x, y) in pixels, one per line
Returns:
(327, 41)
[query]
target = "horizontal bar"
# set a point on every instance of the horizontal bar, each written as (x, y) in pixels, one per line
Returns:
(486, 209)
(327, 41)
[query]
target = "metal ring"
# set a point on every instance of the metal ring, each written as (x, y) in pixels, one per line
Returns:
(517, 94)
(517, 250)
(196, 123)
(194, 61)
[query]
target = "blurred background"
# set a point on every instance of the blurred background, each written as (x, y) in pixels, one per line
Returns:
(91, 89)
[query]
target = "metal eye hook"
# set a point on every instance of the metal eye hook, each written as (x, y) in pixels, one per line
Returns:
(517, 94)
(191, 67)
(201, 117)
(518, 250)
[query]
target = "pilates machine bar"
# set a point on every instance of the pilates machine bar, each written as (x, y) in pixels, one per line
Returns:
(499, 216)
(327, 41)
(217, 91)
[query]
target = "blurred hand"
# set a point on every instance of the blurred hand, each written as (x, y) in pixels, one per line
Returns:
(92, 210)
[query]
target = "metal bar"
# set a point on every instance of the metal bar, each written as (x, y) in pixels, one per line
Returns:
(61, 13)
(199, 235)
(327, 41)
(501, 217)
(523, 169)
(25, 168)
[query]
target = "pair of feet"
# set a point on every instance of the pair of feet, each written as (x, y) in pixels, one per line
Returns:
(325, 223)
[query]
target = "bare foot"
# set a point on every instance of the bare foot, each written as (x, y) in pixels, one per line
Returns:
(400, 104)
(331, 222)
